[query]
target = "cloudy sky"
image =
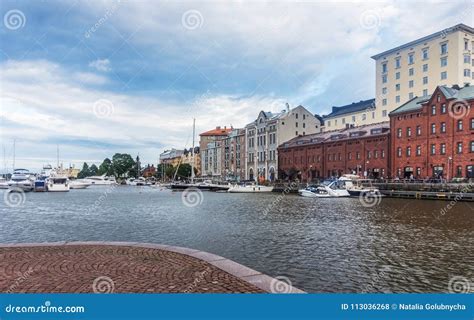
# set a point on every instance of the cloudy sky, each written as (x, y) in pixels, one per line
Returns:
(100, 77)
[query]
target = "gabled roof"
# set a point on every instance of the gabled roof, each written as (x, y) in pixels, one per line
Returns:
(464, 93)
(217, 132)
(443, 32)
(351, 108)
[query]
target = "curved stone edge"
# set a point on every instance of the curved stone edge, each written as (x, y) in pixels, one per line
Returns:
(256, 278)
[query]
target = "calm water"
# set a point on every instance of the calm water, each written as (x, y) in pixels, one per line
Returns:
(321, 245)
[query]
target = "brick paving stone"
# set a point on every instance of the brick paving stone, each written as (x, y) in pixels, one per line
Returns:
(119, 269)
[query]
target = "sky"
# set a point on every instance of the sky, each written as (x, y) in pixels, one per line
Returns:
(93, 78)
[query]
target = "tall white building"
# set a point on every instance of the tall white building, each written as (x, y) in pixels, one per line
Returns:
(267, 132)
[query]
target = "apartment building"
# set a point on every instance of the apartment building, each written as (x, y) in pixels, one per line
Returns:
(263, 136)
(363, 150)
(444, 58)
(211, 150)
(354, 114)
(433, 136)
(233, 162)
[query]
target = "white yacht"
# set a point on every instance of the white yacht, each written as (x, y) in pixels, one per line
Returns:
(249, 188)
(136, 182)
(78, 184)
(100, 180)
(57, 184)
(3, 183)
(328, 189)
(23, 179)
(359, 187)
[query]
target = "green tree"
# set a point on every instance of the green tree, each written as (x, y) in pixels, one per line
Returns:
(93, 170)
(84, 172)
(123, 164)
(106, 168)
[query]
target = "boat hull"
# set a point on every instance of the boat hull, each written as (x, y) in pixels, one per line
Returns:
(250, 189)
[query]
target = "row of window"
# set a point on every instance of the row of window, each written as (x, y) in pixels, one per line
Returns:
(433, 151)
(375, 154)
(438, 171)
(353, 118)
(433, 130)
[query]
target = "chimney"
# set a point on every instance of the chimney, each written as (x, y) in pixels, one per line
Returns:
(287, 107)
(455, 86)
(218, 128)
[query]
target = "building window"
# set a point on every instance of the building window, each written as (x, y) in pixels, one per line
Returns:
(433, 110)
(444, 61)
(398, 63)
(399, 152)
(411, 83)
(384, 90)
(467, 59)
(408, 151)
(399, 132)
(467, 72)
(410, 96)
(459, 125)
(358, 155)
(472, 146)
(349, 156)
(384, 102)
(433, 128)
(418, 171)
(418, 150)
(304, 116)
(444, 48)
(411, 58)
(384, 78)
(425, 92)
(384, 112)
(458, 172)
(409, 132)
(433, 149)
(364, 116)
(443, 108)
(304, 125)
(369, 154)
(329, 123)
(382, 154)
(425, 54)
(384, 67)
(444, 75)
(397, 75)
(296, 124)
(397, 99)
(397, 87)
(425, 80)
(443, 127)
(472, 123)
(353, 118)
(418, 130)
(459, 147)
(443, 148)
(411, 71)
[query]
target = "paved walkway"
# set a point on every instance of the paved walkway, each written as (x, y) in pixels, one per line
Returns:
(122, 267)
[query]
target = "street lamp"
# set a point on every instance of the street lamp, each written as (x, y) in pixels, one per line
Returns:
(447, 174)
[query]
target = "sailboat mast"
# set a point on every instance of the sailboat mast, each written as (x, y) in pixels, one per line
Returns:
(192, 151)
(14, 148)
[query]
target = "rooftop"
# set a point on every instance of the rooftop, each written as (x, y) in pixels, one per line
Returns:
(218, 131)
(458, 27)
(351, 108)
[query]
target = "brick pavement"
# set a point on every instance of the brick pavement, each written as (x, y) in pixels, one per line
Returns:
(105, 268)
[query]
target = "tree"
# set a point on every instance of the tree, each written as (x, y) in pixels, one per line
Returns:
(84, 172)
(93, 170)
(106, 168)
(123, 164)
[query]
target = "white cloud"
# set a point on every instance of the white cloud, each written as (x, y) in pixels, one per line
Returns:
(102, 65)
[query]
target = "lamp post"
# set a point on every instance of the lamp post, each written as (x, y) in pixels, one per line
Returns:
(449, 167)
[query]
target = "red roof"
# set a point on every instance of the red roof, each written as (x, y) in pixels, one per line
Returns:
(217, 132)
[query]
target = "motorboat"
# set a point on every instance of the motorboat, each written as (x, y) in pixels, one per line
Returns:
(249, 188)
(206, 185)
(100, 180)
(3, 183)
(57, 183)
(40, 184)
(22, 179)
(137, 182)
(358, 187)
(328, 189)
(78, 184)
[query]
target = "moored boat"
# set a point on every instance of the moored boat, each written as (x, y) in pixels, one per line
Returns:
(249, 188)
(328, 189)
(78, 184)
(100, 180)
(21, 179)
(58, 184)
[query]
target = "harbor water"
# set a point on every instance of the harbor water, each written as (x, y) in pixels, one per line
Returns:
(320, 245)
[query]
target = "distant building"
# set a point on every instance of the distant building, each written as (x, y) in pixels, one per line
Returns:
(416, 68)
(171, 157)
(234, 155)
(354, 114)
(268, 131)
(210, 145)
(362, 150)
(149, 171)
(187, 158)
(433, 136)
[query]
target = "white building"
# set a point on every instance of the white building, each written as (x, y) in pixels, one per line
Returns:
(267, 132)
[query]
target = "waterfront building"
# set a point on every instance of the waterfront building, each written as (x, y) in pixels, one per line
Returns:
(363, 150)
(418, 67)
(268, 131)
(433, 136)
(234, 155)
(187, 158)
(211, 150)
(171, 157)
(354, 114)
(149, 171)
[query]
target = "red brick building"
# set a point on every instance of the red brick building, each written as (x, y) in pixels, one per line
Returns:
(434, 136)
(363, 150)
